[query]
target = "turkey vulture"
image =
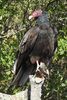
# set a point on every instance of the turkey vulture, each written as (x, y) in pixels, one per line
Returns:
(38, 45)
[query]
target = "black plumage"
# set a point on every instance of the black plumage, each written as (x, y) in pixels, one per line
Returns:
(38, 44)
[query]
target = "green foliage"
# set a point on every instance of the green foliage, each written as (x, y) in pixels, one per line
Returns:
(56, 87)
(13, 25)
(62, 47)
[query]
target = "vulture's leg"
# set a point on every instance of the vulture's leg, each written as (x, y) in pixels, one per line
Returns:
(41, 72)
(38, 66)
(39, 77)
(42, 67)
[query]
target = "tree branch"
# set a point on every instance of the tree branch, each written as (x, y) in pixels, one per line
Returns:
(19, 96)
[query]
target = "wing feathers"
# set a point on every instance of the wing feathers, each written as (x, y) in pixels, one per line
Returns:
(29, 39)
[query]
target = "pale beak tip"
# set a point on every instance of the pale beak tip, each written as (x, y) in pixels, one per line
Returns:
(30, 17)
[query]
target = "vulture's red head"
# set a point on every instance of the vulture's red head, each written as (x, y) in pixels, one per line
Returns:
(36, 14)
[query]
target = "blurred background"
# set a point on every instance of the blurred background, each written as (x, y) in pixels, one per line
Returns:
(14, 23)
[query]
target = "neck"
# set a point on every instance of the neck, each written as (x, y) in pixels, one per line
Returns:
(43, 20)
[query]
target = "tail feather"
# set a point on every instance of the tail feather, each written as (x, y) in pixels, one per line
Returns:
(17, 77)
(22, 76)
(25, 76)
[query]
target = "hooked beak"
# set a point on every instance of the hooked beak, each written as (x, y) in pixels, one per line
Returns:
(30, 17)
